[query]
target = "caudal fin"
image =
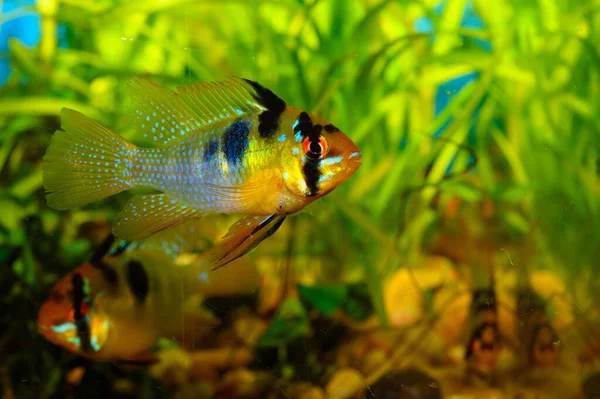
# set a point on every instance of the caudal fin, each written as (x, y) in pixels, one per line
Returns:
(85, 162)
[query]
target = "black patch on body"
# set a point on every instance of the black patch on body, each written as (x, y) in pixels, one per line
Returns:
(102, 250)
(137, 279)
(235, 141)
(109, 274)
(83, 329)
(209, 151)
(330, 128)
(268, 119)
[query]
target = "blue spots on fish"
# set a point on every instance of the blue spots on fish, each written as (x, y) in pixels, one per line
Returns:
(235, 141)
(282, 138)
(331, 160)
(121, 248)
(324, 178)
(268, 120)
(210, 149)
(137, 280)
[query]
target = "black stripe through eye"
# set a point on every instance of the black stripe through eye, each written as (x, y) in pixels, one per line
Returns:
(138, 281)
(311, 173)
(315, 147)
(83, 330)
(310, 170)
(306, 127)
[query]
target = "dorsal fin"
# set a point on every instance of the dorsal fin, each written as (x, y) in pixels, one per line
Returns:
(163, 115)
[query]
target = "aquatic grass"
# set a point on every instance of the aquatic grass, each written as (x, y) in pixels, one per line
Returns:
(530, 115)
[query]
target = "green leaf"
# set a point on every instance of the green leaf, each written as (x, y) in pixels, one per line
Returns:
(462, 190)
(8, 254)
(358, 304)
(516, 221)
(327, 299)
(290, 322)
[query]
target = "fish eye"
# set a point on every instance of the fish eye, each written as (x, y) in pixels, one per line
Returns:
(83, 309)
(315, 149)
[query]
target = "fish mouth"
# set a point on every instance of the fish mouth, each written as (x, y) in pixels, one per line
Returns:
(355, 158)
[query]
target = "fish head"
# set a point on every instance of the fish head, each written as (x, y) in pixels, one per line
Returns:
(70, 317)
(320, 157)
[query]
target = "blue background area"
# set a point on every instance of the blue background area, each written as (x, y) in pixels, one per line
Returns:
(25, 28)
(447, 90)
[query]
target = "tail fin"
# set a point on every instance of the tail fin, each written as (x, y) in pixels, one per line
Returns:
(85, 162)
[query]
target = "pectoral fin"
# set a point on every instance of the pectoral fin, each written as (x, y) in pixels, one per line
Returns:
(242, 237)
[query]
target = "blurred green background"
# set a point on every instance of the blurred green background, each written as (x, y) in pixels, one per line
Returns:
(410, 81)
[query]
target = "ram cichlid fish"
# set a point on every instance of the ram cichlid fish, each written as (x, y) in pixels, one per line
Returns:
(227, 147)
(120, 304)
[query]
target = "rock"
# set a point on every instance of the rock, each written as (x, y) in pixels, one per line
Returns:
(406, 384)
(197, 390)
(344, 384)
(591, 386)
(373, 360)
(244, 384)
(173, 366)
(302, 390)
(249, 329)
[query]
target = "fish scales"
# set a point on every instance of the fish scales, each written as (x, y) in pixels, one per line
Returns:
(217, 148)
(227, 156)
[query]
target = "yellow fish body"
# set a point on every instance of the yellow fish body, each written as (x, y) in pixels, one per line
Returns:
(118, 306)
(227, 147)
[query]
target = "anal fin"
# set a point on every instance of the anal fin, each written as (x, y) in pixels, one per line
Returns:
(145, 215)
(242, 237)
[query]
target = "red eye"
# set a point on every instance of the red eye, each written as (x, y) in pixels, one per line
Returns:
(83, 308)
(315, 149)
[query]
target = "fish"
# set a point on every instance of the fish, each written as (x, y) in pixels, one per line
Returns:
(540, 344)
(230, 147)
(130, 295)
(484, 344)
